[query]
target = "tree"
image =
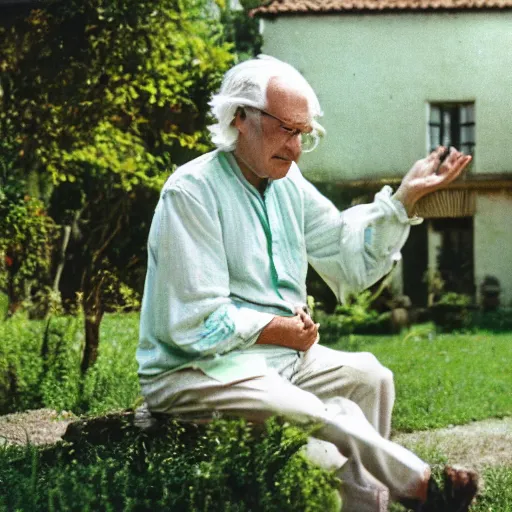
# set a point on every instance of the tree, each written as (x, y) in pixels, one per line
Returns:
(101, 100)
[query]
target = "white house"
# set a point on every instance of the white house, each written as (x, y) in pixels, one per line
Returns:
(396, 78)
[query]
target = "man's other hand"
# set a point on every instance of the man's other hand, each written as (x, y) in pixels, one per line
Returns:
(430, 174)
(297, 332)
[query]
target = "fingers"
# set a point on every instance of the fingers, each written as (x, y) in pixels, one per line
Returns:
(431, 163)
(315, 327)
(436, 154)
(312, 337)
(311, 343)
(312, 330)
(306, 319)
(453, 165)
(302, 339)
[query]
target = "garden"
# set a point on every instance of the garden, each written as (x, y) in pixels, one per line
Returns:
(99, 103)
(442, 380)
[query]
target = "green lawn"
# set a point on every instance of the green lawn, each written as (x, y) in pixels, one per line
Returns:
(444, 379)
(440, 379)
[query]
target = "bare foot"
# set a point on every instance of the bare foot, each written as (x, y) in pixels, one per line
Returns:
(460, 487)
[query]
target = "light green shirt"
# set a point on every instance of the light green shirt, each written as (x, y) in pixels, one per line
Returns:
(224, 260)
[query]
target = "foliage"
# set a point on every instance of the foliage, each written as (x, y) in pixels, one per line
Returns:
(452, 312)
(26, 237)
(3, 304)
(435, 284)
(40, 365)
(226, 467)
(454, 299)
(116, 86)
(441, 379)
(100, 102)
(355, 316)
(493, 321)
(243, 31)
(497, 493)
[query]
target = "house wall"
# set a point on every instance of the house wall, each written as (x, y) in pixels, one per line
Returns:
(493, 241)
(375, 74)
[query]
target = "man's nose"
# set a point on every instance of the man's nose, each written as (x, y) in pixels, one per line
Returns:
(294, 144)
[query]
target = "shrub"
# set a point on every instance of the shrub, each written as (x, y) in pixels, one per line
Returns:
(495, 321)
(40, 365)
(224, 467)
(452, 312)
(354, 317)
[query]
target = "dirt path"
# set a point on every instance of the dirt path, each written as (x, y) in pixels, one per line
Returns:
(475, 445)
(43, 426)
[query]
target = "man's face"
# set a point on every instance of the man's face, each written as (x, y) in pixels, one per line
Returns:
(269, 141)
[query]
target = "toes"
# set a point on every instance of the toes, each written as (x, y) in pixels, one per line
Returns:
(460, 487)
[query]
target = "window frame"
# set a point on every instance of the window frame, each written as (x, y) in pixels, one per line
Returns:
(454, 110)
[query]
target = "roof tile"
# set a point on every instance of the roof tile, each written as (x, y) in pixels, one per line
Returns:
(275, 7)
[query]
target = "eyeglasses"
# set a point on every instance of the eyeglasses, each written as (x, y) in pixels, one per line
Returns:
(308, 140)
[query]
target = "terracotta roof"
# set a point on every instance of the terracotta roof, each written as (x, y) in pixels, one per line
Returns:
(275, 7)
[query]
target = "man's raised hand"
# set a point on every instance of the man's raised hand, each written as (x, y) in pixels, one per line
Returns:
(430, 174)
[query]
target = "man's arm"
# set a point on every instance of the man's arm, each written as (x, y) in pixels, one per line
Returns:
(187, 303)
(353, 249)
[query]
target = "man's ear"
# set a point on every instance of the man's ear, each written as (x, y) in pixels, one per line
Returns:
(240, 116)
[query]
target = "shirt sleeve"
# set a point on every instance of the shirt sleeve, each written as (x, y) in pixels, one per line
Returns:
(351, 250)
(190, 293)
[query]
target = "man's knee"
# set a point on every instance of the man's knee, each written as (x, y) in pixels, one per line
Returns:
(374, 373)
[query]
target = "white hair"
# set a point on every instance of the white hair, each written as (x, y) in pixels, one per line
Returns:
(246, 85)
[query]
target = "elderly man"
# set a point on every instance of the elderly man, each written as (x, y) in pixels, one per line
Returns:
(224, 324)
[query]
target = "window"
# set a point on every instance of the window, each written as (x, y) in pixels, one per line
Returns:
(452, 124)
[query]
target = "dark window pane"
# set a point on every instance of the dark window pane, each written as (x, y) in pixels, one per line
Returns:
(452, 124)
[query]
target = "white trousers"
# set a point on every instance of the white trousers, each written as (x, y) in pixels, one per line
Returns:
(350, 394)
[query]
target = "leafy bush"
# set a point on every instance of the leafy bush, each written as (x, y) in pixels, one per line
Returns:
(225, 467)
(40, 365)
(27, 235)
(100, 102)
(354, 317)
(494, 321)
(454, 299)
(452, 312)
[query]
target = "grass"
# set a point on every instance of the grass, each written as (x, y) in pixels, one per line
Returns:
(496, 494)
(3, 305)
(440, 379)
(30, 381)
(444, 379)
